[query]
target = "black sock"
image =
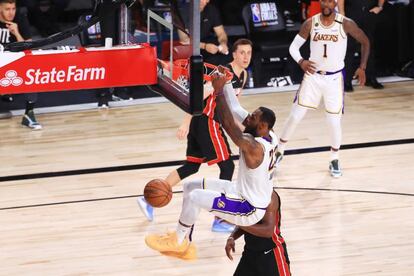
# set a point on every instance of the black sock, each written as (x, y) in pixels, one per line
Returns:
(29, 107)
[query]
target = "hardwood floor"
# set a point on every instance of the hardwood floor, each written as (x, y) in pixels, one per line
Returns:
(90, 224)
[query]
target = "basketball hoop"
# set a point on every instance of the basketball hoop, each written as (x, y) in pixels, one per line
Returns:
(181, 70)
(175, 85)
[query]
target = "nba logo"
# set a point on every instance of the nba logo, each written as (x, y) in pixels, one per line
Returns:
(255, 13)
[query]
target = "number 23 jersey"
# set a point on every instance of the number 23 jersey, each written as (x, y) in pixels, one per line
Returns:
(256, 185)
(328, 44)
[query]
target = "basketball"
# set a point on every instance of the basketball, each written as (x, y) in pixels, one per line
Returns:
(158, 193)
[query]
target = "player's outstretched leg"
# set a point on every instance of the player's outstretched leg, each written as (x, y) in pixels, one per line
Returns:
(226, 173)
(179, 242)
(296, 115)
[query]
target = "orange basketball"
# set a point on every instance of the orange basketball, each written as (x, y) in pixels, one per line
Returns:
(158, 193)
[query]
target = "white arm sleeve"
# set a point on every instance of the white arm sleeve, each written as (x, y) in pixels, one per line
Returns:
(295, 46)
(238, 112)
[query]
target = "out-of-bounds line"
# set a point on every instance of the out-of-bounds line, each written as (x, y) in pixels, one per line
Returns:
(344, 190)
(180, 192)
(179, 162)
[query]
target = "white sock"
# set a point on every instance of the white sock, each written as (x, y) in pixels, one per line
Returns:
(334, 154)
(335, 130)
(296, 115)
(281, 147)
(182, 232)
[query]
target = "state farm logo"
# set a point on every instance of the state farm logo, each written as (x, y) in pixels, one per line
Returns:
(38, 76)
(11, 78)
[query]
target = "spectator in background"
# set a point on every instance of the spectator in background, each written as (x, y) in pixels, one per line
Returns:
(45, 18)
(213, 37)
(310, 8)
(366, 14)
(16, 29)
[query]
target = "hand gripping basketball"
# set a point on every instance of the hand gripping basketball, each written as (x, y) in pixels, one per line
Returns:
(181, 69)
(218, 80)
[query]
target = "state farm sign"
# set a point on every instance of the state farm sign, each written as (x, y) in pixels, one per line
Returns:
(36, 76)
(79, 70)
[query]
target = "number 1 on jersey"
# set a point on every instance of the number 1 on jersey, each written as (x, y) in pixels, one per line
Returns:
(324, 50)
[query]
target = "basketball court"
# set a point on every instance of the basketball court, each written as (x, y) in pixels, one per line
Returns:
(68, 193)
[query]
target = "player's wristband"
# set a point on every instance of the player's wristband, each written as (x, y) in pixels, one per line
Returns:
(230, 238)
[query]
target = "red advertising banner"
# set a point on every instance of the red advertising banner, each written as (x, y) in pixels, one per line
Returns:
(84, 68)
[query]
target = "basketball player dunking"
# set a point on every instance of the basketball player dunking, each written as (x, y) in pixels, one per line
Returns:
(323, 73)
(242, 202)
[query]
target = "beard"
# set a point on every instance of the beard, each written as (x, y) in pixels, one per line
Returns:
(251, 131)
(326, 12)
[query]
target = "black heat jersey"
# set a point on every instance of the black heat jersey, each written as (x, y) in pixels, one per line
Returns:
(237, 82)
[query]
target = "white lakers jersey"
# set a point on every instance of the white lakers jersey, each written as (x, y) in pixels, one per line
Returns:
(256, 185)
(328, 44)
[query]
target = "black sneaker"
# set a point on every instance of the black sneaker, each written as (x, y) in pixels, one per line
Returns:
(103, 102)
(374, 83)
(348, 87)
(335, 169)
(29, 120)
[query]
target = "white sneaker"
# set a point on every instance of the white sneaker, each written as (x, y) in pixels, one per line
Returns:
(279, 158)
(335, 169)
(146, 209)
(30, 121)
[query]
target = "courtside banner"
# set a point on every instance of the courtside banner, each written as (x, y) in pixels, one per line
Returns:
(84, 68)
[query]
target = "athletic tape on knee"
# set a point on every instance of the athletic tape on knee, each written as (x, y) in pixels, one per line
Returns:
(238, 112)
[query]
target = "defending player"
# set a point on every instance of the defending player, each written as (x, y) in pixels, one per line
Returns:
(323, 74)
(265, 251)
(242, 55)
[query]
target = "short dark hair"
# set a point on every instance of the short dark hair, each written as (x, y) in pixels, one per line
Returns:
(268, 116)
(241, 41)
(8, 1)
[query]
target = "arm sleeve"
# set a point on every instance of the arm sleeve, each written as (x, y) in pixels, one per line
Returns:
(295, 46)
(238, 112)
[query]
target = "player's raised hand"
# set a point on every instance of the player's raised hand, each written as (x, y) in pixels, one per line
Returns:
(308, 66)
(230, 247)
(218, 80)
(360, 75)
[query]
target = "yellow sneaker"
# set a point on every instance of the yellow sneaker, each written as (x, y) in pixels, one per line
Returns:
(189, 255)
(167, 243)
